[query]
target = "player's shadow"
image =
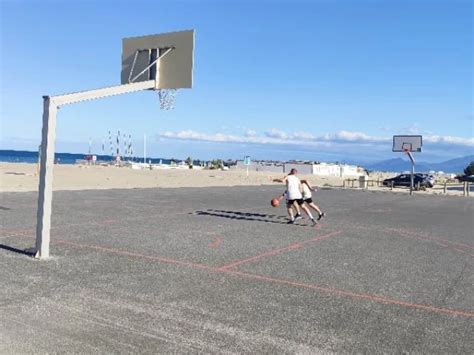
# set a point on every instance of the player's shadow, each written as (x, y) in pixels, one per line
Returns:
(28, 252)
(245, 216)
(249, 214)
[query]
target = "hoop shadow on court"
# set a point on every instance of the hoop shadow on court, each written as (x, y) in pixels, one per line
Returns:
(246, 216)
(27, 252)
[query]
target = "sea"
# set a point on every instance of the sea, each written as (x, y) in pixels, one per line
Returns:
(21, 156)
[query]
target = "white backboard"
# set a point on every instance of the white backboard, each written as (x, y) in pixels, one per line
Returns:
(175, 69)
(411, 143)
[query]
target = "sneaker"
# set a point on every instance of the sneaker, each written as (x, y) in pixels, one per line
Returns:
(290, 222)
(321, 216)
(298, 216)
(313, 223)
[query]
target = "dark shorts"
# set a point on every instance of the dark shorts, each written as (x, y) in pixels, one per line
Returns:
(308, 200)
(290, 203)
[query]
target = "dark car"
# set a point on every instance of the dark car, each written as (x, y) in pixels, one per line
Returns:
(405, 180)
(468, 178)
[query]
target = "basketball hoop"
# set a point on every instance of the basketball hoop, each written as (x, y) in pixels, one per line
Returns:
(167, 98)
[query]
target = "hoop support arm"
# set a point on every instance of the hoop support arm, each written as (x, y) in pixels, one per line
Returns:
(67, 99)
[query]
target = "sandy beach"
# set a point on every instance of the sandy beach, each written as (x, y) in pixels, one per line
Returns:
(24, 177)
(18, 177)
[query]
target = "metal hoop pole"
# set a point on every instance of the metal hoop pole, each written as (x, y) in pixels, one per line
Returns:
(43, 226)
(50, 109)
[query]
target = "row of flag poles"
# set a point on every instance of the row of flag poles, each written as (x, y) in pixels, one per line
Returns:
(117, 149)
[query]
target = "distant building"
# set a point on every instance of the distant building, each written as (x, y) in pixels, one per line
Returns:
(321, 169)
(273, 167)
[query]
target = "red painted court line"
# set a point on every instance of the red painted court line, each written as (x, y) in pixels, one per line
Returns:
(368, 297)
(9, 232)
(279, 251)
(137, 255)
(450, 247)
(216, 243)
(354, 295)
(342, 293)
(17, 233)
(419, 235)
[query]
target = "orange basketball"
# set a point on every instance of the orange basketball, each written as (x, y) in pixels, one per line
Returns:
(275, 202)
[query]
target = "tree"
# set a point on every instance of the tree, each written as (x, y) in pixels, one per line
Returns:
(189, 161)
(469, 170)
(216, 164)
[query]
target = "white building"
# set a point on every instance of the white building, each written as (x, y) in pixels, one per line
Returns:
(327, 169)
(320, 169)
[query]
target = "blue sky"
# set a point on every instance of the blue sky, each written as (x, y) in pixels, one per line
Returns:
(321, 80)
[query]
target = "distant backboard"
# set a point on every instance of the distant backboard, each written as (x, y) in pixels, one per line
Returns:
(174, 70)
(410, 143)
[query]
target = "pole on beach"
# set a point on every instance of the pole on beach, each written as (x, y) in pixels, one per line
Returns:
(111, 146)
(144, 149)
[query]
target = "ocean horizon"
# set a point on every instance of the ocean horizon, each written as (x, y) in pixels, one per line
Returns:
(24, 156)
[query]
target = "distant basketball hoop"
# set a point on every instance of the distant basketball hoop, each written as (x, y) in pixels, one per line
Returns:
(408, 144)
(412, 143)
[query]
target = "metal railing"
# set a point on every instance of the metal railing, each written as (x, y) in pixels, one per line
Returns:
(355, 183)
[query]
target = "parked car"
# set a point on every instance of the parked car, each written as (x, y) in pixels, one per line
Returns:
(430, 178)
(462, 178)
(405, 180)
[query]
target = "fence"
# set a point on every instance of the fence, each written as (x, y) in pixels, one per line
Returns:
(465, 186)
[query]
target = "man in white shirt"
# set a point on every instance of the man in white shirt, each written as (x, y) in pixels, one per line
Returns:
(294, 197)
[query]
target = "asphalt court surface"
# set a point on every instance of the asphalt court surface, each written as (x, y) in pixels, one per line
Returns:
(219, 270)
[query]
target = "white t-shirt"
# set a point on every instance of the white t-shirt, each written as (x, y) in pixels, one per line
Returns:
(306, 192)
(293, 187)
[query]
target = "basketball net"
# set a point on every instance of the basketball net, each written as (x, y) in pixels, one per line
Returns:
(167, 98)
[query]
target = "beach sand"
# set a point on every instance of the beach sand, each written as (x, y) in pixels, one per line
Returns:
(24, 177)
(17, 177)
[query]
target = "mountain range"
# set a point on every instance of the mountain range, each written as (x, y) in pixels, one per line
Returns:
(455, 166)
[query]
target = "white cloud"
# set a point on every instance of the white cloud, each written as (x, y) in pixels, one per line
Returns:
(275, 133)
(413, 129)
(304, 136)
(347, 136)
(278, 137)
(449, 140)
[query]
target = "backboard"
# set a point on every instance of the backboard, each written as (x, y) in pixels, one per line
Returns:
(410, 143)
(174, 69)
